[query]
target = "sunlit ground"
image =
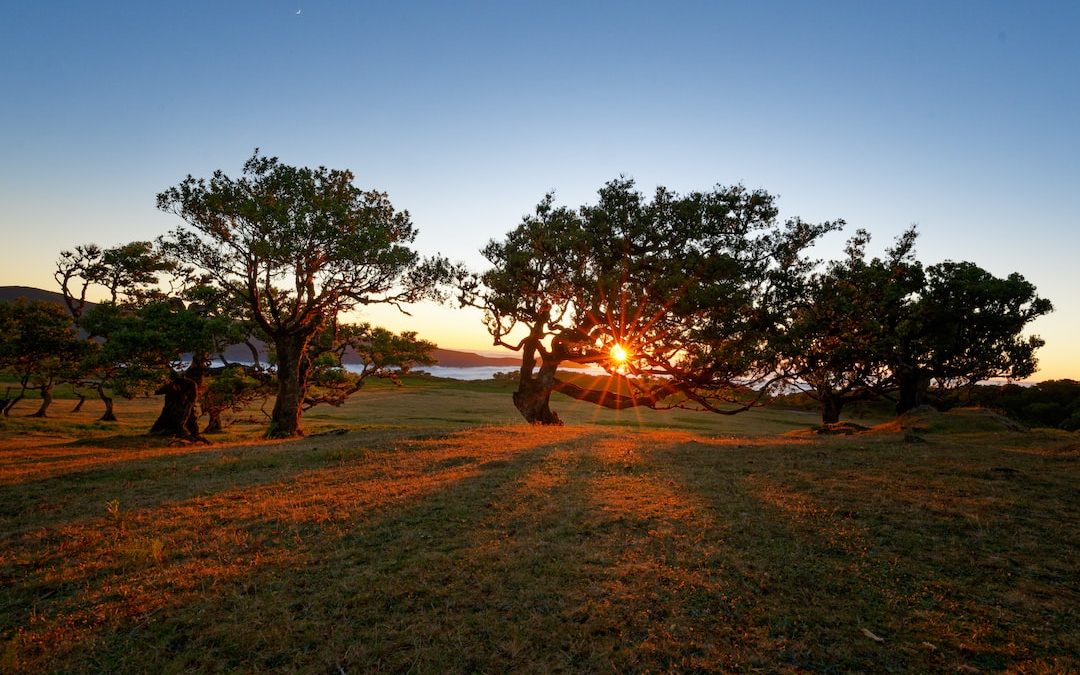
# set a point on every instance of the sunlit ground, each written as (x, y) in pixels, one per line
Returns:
(423, 541)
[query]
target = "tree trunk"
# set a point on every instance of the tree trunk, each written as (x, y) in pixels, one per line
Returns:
(830, 409)
(213, 425)
(292, 370)
(107, 400)
(533, 395)
(913, 385)
(46, 400)
(178, 417)
(11, 404)
(22, 394)
(180, 395)
(79, 405)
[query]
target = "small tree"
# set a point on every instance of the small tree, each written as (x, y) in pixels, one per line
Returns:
(380, 353)
(232, 388)
(39, 346)
(677, 297)
(295, 247)
(128, 277)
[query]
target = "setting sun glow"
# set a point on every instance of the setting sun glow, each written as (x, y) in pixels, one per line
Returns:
(619, 354)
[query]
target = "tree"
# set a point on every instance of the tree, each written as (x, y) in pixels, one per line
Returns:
(296, 247)
(128, 276)
(965, 326)
(676, 297)
(155, 331)
(381, 353)
(890, 327)
(233, 387)
(842, 334)
(39, 346)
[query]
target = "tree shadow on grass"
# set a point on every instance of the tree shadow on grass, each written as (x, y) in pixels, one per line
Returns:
(878, 557)
(543, 550)
(230, 577)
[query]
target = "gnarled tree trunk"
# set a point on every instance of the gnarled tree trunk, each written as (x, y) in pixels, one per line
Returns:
(213, 424)
(46, 400)
(109, 416)
(532, 398)
(830, 408)
(178, 416)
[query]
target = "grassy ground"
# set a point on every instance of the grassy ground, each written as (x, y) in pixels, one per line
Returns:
(440, 534)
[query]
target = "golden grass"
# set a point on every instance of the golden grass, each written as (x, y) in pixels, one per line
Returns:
(592, 547)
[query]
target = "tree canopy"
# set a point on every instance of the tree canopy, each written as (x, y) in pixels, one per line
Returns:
(676, 296)
(891, 327)
(295, 247)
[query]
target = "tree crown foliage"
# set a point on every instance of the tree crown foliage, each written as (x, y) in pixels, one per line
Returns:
(297, 245)
(689, 284)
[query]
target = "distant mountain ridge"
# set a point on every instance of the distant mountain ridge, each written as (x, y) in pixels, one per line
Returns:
(448, 358)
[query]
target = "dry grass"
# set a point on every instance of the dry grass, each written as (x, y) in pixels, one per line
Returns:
(422, 541)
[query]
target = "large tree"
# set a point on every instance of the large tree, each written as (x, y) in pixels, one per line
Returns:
(890, 327)
(843, 332)
(965, 326)
(295, 247)
(677, 296)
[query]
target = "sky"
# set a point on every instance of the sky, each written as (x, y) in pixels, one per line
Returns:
(962, 118)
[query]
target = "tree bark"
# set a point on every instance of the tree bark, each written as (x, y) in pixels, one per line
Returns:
(213, 424)
(913, 385)
(178, 416)
(532, 398)
(292, 371)
(109, 416)
(22, 394)
(46, 401)
(180, 396)
(79, 405)
(11, 404)
(830, 409)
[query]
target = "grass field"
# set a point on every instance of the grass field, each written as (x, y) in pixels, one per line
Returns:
(441, 534)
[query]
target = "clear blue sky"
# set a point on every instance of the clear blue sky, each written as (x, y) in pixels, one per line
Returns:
(961, 117)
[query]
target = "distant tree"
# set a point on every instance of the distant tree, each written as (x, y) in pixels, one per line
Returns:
(127, 276)
(965, 326)
(1050, 403)
(678, 297)
(39, 346)
(233, 388)
(381, 353)
(295, 247)
(154, 331)
(839, 344)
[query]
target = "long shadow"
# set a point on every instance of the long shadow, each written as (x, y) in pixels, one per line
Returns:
(570, 551)
(145, 479)
(897, 549)
(281, 563)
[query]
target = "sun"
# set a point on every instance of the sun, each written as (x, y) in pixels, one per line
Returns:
(619, 354)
